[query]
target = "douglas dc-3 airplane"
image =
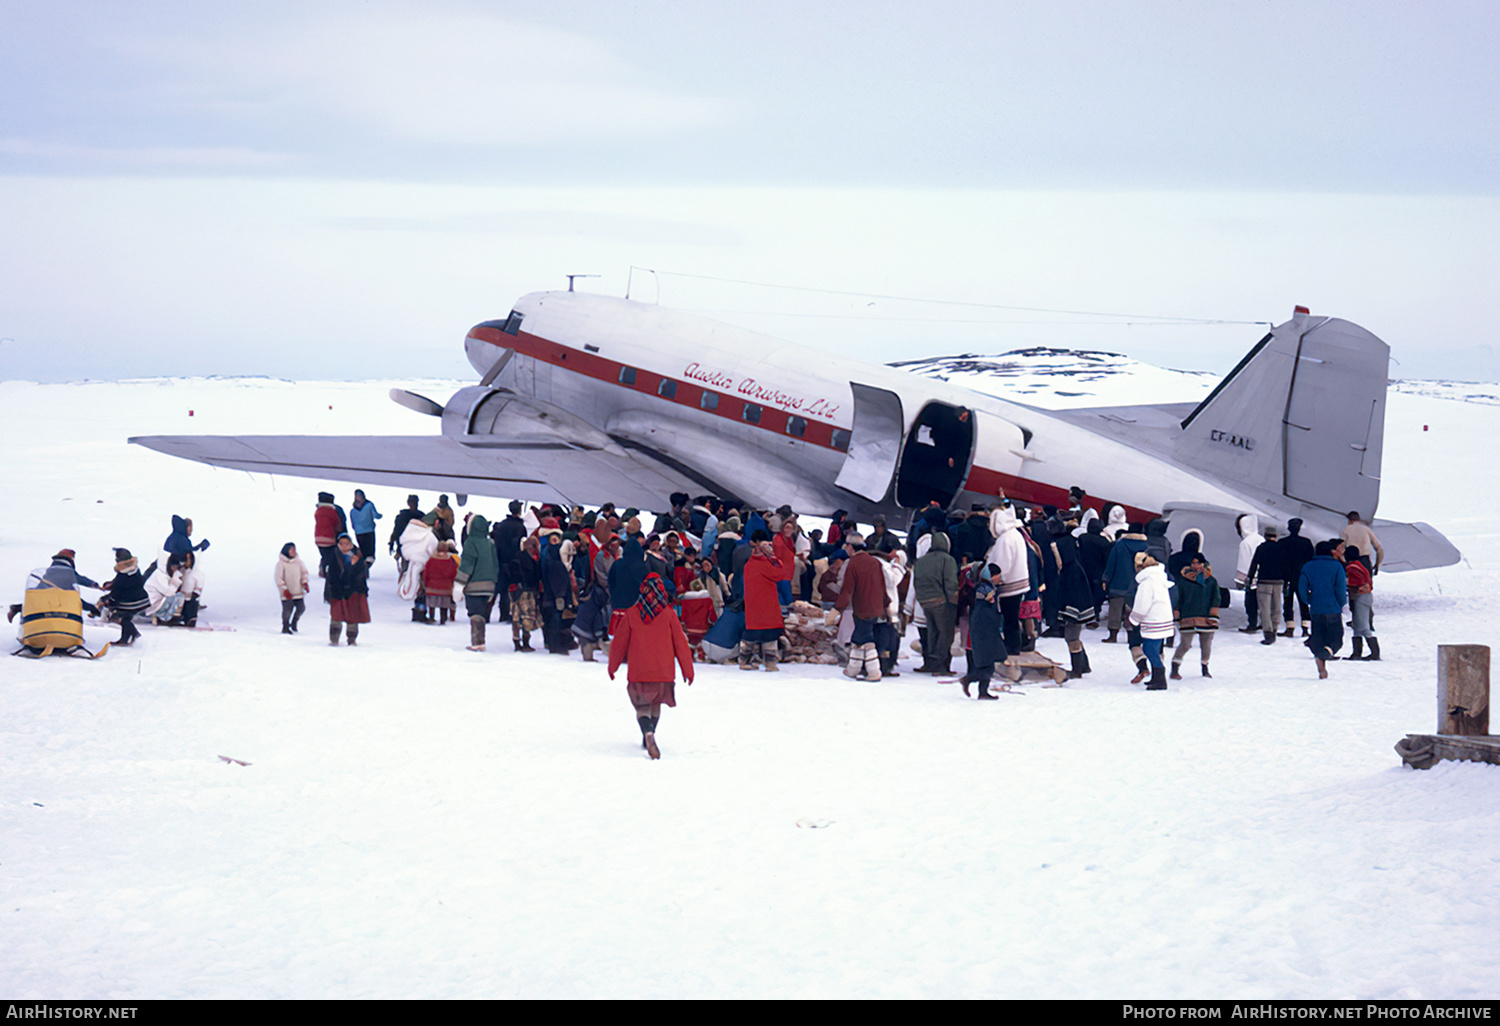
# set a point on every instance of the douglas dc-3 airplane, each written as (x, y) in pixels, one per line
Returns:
(586, 399)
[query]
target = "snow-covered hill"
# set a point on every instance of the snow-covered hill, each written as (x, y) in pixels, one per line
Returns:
(421, 821)
(1060, 378)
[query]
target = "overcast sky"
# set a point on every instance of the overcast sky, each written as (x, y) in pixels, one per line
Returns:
(339, 189)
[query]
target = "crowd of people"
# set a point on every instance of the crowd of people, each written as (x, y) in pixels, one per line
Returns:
(986, 583)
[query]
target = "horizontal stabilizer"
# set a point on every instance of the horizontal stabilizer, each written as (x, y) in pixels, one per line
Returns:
(1413, 546)
(555, 471)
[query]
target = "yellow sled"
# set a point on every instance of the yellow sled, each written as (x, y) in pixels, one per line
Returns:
(52, 620)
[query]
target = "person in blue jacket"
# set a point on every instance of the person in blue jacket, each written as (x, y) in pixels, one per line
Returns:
(1324, 588)
(362, 517)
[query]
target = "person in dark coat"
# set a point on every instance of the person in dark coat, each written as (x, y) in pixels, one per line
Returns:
(935, 582)
(1093, 554)
(649, 640)
(559, 594)
(986, 632)
(1269, 576)
(1156, 541)
(1196, 603)
(1119, 576)
(1324, 586)
(406, 516)
(347, 590)
(507, 535)
(525, 584)
(125, 596)
(1075, 603)
(627, 574)
(1296, 551)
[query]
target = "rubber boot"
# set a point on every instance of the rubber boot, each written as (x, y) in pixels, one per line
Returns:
(1374, 649)
(476, 633)
(1357, 650)
(1077, 671)
(1269, 639)
(1176, 671)
(1083, 658)
(334, 630)
(1158, 679)
(770, 654)
(352, 634)
(417, 616)
(1143, 670)
(984, 691)
(747, 655)
(1113, 639)
(190, 612)
(1203, 668)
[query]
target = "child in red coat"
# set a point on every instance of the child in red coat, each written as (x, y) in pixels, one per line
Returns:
(697, 615)
(437, 581)
(649, 638)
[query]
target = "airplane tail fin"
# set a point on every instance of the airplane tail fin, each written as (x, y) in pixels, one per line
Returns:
(1303, 415)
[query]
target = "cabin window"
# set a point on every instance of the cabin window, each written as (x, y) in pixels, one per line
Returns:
(709, 400)
(751, 413)
(796, 426)
(512, 324)
(840, 440)
(667, 389)
(627, 375)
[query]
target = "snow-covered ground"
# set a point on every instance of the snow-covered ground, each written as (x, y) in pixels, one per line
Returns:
(421, 821)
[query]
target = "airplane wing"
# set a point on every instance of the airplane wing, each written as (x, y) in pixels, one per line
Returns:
(536, 470)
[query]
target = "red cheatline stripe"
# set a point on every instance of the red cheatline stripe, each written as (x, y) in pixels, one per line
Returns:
(981, 480)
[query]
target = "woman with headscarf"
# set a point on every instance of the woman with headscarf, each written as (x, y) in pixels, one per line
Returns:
(559, 593)
(648, 639)
(348, 591)
(524, 577)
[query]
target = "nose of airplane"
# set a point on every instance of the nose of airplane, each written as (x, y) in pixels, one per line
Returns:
(482, 352)
(486, 343)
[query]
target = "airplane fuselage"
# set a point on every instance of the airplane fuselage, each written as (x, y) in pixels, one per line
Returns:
(769, 422)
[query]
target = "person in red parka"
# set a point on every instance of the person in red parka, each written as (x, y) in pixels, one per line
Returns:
(764, 624)
(648, 639)
(328, 524)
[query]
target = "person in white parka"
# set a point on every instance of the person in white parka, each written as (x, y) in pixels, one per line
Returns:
(1152, 613)
(418, 543)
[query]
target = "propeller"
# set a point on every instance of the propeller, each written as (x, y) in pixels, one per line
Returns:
(418, 403)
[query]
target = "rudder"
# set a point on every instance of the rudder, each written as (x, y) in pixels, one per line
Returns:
(1302, 415)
